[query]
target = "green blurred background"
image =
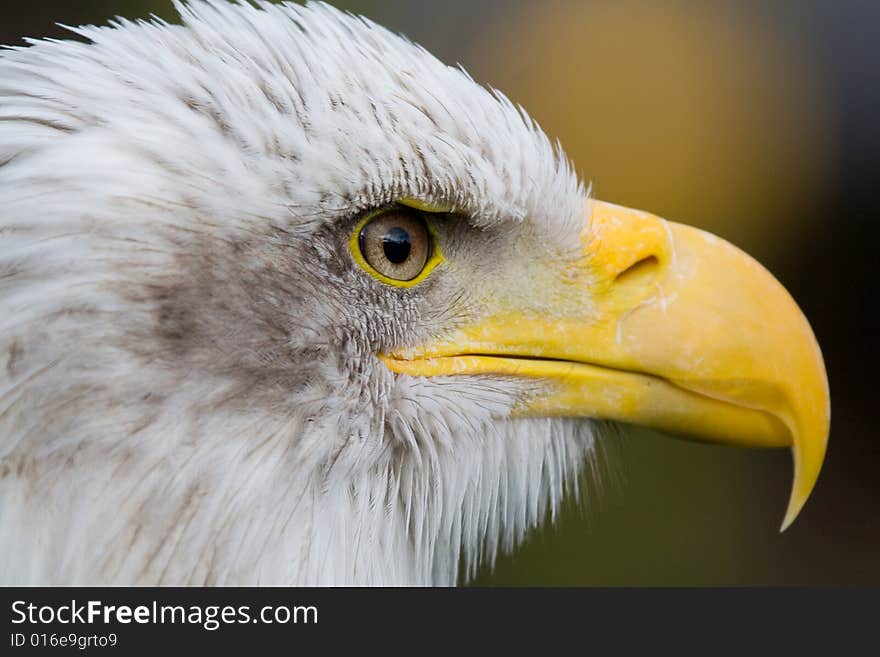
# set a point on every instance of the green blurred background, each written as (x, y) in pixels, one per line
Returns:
(755, 120)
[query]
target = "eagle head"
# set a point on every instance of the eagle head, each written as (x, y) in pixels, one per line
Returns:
(284, 299)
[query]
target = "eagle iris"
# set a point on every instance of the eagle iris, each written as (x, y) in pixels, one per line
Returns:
(396, 243)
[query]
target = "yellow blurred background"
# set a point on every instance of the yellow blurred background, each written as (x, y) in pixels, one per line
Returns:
(756, 121)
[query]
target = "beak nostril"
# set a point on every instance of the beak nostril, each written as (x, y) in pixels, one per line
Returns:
(640, 271)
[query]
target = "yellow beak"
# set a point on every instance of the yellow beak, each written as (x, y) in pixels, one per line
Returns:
(662, 325)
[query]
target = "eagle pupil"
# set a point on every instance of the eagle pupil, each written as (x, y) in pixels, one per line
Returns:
(397, 244)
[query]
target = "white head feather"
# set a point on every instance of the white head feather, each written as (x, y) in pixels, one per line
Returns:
(183, 401)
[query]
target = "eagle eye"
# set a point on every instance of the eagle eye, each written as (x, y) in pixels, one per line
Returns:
(396, 246)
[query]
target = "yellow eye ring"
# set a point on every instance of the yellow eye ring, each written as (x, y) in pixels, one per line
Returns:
(434, 255)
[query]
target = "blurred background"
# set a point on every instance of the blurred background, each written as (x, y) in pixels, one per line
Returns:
(755, 120)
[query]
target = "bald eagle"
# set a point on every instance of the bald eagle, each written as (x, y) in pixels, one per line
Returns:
(285, 300)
